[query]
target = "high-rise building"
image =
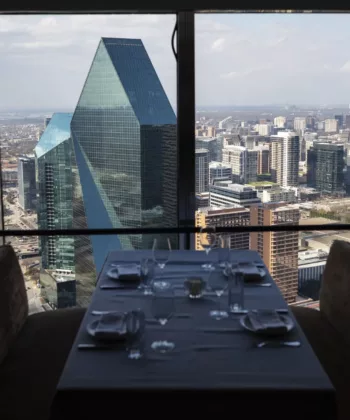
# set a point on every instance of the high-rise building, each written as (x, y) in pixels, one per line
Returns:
(331, 125)
(26, 182)
(279, 122)
(263, 159)
(310, 122)
(279, 250)
(202, 170)
(228, 217)
(54, 156)
(284, 158)
(299, 123)
(244, 163)
(213, 145)
(124, 137)
(326, 167)
(263, 129)
(219, 172)
(278, 195)
(340, 119)
(347, 121)
(311, 168)
(233, 195)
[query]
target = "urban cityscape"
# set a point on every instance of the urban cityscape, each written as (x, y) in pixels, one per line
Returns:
(110, 162)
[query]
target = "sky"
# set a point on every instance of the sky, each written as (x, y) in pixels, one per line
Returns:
(241, 59)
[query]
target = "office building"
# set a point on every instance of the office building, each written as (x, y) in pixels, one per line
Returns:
(278, 195)
(219, 171)
(284, 158)
(326, 168)
(263, 129)
(311, 265)
(228, 194)
(310, 122)
(331, 125)
(340, 119)
(228, 217)
(347, 121)
(244, 163)
(26, 182)
(213, 145)
(299, 123)
(279, 250)
(202, 170)
(54, 156)
(263, 164)
(202, 200)
(124, 137)
(279, 122)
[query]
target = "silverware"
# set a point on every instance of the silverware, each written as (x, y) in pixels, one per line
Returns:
(278, 344)
(178, 315)
(99, 346)
(220, 330)
(115, 286)
(257, 284)
(245, 311)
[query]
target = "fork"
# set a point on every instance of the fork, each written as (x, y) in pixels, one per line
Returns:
(278, 344)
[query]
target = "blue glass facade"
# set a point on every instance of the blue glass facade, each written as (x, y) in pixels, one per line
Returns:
(124, 138)
(55, 192)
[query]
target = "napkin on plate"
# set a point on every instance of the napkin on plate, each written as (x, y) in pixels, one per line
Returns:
(111, 326)
(267, 321)
(250, 272)
(129, 272)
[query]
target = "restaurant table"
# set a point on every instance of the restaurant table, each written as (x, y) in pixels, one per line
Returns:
(237, 380)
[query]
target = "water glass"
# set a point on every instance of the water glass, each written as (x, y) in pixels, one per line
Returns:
(161, 256)
(147, 273)
(163, 308)
(218, 285)
(208, 241)
(224, 250)
(235, 291)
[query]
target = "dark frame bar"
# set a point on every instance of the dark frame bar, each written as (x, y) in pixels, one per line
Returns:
(186, 122)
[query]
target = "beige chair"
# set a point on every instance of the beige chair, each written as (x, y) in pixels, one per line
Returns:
(33, 349)
(328, 330)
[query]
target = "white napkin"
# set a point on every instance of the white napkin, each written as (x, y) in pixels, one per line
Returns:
(111, 326)
(129, 272)
(267, 321)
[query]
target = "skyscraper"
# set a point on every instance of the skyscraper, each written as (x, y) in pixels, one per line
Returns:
(284, 158)
(328, 161)
(26, 182)
(244, 163)
(55, 192)
(202, 170)
(124, 137)
(219, 172)
(279, 250)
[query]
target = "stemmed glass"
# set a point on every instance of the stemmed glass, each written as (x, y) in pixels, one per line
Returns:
(161, 256)
(147, 272)
(163, 308)
(224, 251)
(208, 240)
(218, 285)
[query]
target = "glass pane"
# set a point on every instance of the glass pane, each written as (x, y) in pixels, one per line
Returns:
(272, 131)
(88, 137)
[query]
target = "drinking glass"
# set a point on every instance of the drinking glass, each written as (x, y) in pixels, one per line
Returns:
(163, 308)
(218, 285)
(147, 272)
(208, 241)
(161, 256)
(236, 291)
(224, 249)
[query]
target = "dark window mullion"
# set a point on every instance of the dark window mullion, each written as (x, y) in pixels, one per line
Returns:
(186, 121)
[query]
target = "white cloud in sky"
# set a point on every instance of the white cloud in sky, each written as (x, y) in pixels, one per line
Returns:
(240, 59)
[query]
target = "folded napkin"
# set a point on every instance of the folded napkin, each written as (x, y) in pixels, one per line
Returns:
(250, 272)
(111, 326)
(267, 321)
(128, 272)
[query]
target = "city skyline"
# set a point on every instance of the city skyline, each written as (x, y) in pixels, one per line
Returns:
(248, 59)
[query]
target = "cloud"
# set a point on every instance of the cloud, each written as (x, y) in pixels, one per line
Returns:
(345, 68)
(218, 45)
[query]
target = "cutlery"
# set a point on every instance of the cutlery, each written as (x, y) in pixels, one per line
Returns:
(178, 315)
(257, 284)
(245, 311)
(220, 330)
(278, 344)
(99, 346)
(116, 286)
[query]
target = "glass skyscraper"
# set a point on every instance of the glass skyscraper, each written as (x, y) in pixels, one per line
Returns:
(55, 192)
(124, 137)
(26, 182)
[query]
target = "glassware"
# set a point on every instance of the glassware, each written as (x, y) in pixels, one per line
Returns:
(208, 241)
(236, 291)
(218, 285)
(147, 273)
(161, 256)
(195, 287)
(163, 308)
(224, 249)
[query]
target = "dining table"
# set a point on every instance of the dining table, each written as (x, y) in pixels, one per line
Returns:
(217, 368)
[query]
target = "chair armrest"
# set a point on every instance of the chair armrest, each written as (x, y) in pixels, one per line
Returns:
(13, 299)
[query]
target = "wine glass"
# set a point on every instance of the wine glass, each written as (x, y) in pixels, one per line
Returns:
(147, 272)
(163, 308)
(224, 251)
(208, 240)
(161, 256)
(218, 285)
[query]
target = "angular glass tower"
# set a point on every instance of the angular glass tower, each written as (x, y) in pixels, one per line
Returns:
(124, 136)
(55, 192)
